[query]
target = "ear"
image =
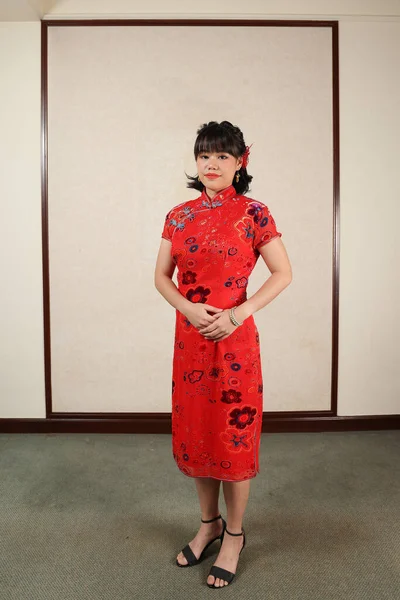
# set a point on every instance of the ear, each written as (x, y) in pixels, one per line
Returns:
(239, 162)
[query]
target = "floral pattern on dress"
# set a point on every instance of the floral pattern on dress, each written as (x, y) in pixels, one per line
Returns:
(217, 391)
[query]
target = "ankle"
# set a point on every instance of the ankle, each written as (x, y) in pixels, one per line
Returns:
(212, 517)
(234, 531)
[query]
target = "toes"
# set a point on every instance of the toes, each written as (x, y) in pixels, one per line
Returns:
(217, 582)
(181, 559)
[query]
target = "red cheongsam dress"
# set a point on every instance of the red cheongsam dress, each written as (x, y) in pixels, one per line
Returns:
(217, 388)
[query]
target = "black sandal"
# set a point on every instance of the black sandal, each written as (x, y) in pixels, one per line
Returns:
(188, 552)
(223, 573)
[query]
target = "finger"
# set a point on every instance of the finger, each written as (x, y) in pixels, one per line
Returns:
(213, 308)
(218, 315)
(211, 335)
(209, 328)
(206, 322)
(221, 338)
(211, 318)
(217, 333)
(205, 319)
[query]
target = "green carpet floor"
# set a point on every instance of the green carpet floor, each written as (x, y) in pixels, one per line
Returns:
(102, 517)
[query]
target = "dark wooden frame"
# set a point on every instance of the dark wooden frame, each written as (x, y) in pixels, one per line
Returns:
(304, 421)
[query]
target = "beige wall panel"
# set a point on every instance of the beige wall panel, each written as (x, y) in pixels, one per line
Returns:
(369, 375)
(228, 9)
(124, 106)
(22, 386)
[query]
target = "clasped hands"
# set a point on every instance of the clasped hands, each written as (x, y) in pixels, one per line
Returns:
(215, 327)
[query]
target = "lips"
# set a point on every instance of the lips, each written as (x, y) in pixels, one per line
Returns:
(212, 176)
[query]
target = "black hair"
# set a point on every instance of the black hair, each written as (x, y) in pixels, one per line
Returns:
(221, 137)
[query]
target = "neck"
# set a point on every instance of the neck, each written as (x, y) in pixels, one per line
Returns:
(211, 193)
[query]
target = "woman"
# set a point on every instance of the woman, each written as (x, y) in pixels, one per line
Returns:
(217, 393)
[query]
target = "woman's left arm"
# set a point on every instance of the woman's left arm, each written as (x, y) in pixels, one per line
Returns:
(275, 257)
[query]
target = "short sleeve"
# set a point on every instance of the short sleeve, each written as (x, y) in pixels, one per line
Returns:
(265, 229)
(168, 227)
(175, 220)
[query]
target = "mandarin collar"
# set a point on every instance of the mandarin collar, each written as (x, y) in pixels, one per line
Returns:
(219, 198)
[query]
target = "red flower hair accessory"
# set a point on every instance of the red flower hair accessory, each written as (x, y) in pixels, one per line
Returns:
(245, 157)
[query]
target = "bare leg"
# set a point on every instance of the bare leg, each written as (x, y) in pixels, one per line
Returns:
(236, 495)
(208, 492)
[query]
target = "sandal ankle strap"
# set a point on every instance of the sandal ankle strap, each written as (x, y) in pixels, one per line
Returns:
(211, 520)
(241, 533)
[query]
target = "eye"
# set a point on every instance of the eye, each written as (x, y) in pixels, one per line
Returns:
(223, 156)
(203, 155)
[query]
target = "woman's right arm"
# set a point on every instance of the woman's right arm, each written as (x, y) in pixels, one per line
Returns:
(164, 271)
(165, 267)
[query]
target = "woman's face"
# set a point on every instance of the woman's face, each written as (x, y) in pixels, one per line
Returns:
(216, 170)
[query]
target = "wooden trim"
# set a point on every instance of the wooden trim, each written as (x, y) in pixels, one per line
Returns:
(336, 218)
(151, 423)
(318, 421)
(187, 22)
(45, 222)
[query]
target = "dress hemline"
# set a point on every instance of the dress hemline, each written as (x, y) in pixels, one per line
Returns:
(217, 478)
